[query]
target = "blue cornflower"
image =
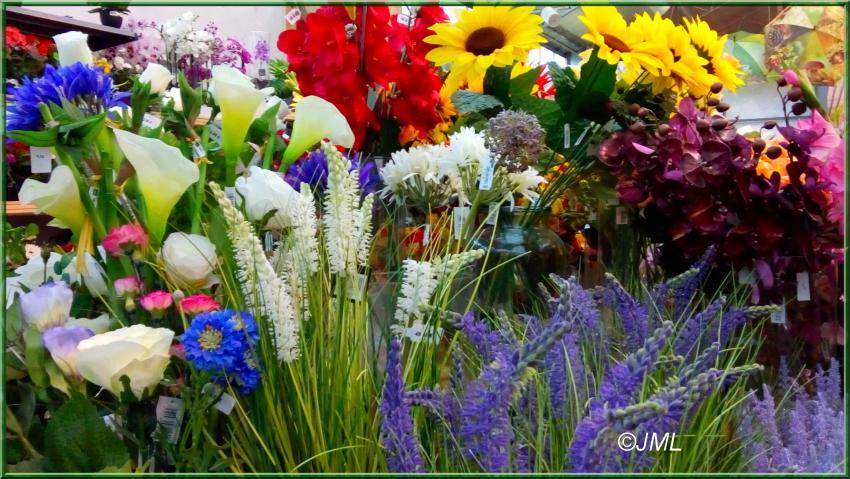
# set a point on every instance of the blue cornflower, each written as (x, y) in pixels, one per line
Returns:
(85, 86)
(215, 341)
(313, 170)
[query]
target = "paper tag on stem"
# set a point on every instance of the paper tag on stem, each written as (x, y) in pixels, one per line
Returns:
(459, 215)
(804, 292)
(151, 121)
(225, 404)
(215, 133)
(41, 159)
(746, 276)
(492, 214)
(567, 142)
(426, 234)
(778, 316)
(169, 416)
(230, 193)
(293, 15)
(487, 170)
(622, 215)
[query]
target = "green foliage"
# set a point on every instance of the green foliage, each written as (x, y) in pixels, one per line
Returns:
(472, 102)
(36, 138)
(16, 239)
(77, 440)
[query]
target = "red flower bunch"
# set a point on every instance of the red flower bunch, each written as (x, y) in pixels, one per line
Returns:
(28, 43)
(324, 51)
(698, 183)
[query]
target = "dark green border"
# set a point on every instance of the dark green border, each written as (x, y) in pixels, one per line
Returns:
(224, 3)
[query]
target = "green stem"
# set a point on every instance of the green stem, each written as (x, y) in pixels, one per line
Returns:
(82, 185)
(199, 186)
(268, 153)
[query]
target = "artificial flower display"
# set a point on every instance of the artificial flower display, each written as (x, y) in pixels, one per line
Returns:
(258, 265)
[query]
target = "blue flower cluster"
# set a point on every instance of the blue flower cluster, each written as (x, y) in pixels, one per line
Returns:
(313, 170)
(85, 86)
(224, 343)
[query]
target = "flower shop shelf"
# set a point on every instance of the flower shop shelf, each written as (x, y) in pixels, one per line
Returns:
(18, 208)
(47, 25)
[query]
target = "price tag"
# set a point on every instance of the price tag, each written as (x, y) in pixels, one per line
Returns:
(41, 159)
(215, 133)
(592, 216)
(492, 214)
(581, 137)
(804, 292)
(151, 121)
(169, 416)
(268, 242)
(622, 215)
(357, 287)
(371, 97)
(205, 112)
(379, 162)
(198, 150)
(746, 276)
(613, 202)
(486, 181)
(567, 141)
(406, 16)
(262, 73)
(778, 316)
(225, 404)
(426, 234)
(94, 193)
(293, 16)
(230, 193)
(459, 215)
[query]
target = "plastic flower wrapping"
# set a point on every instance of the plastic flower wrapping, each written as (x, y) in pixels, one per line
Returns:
(410, 247)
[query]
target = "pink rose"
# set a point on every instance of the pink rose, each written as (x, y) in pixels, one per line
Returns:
(125, 239)
(198, 303)
(157, 301)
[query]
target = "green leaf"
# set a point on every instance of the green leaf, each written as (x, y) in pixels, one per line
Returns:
(549, 115)
(594, 89)
(470, 102)
(85, 130)
(139, 102)
(192, 99)
(497, 82)
(521, 86)
(35, 357)
(36, 138)
(77, 440)
(57, 378)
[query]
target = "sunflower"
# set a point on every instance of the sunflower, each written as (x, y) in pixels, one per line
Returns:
(484, 37)
(618, 41)
(683, 69)
(725, 68)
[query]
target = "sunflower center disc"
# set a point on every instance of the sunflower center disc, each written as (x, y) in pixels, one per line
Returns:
(615, 43)
(485, 41)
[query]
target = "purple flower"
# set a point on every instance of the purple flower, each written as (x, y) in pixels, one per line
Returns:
(633, 315)
(62, 343)
(401, 446)
(313, 170)
(261, 51)
(695, 326)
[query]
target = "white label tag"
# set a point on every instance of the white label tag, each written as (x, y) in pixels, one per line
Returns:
(746, 276)
(215, 133)
(622, 215)
(804, 292)
(487, 168)
(205, 112)
(567, 141)
(230, 193)
(613, 202)
(41, 159)
(114, 423)
(94, 193)
(426, 234)
(268, 241)
(581, 137)
(293, 16)
(151, 121)
(356, 287)
(169, 416)
(778, 316)
(198, 150)
(459, 215)
(406, 16)
(492, 214)
(592, 216)
(225, 404)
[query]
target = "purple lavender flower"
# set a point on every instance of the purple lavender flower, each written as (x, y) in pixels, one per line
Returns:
(401, 446)
(695, 326)
(485, 340)
(684, 292)
(633, 315)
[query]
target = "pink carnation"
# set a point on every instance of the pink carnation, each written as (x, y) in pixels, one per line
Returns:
(125, 239)
(198, 303)
(791, 77)
(156, 301)
(129, 286)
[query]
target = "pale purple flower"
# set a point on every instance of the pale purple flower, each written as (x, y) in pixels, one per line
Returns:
(61, 342)
(47, 306)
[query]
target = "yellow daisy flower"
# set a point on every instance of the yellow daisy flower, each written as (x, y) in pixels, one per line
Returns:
(684, 69)
(726, 68)
(484, 37)
(617, 41)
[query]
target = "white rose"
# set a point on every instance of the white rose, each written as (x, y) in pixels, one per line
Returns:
(189, 260)
(158, 76)
(47, 306)
(265, 191)
(72, 48)
(139, 352)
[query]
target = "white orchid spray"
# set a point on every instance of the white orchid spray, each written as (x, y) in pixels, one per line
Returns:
(347, 221)
(263, 289)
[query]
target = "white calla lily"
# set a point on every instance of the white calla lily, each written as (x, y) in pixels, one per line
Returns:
(164, 175)
(315, 120)
(238, 99)
(73, 47)
(59, 198)
(158, 76)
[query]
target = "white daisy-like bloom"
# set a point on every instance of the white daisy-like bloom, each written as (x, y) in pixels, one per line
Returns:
(263, 290)
(526, 183)
(467, 147)
(418, 174)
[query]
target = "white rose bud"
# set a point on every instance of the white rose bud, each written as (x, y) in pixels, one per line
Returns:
(189, 260)
(139, 352)
(265, 191)
(72, 48)
(158, 76)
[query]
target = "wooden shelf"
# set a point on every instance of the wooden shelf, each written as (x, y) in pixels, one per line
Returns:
(16, 208)
(46, 25)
